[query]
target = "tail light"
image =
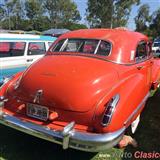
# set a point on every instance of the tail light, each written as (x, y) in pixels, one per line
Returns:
(110, 108)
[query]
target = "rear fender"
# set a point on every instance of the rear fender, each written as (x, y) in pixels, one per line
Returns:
(132, 92)
(4, 87)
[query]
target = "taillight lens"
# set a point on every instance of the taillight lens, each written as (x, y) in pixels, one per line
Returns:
(109, 110)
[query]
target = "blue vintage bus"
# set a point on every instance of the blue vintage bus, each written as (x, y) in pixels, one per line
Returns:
(18, 51)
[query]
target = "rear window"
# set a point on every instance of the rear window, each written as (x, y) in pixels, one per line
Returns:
(89, 46)
(12, 49)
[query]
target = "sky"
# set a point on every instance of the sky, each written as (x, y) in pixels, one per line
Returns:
(154, 5)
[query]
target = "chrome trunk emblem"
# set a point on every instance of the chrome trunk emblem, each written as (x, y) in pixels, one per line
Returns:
(38, 96)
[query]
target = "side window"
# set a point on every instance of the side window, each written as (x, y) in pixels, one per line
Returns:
(58, 46)
(141, 52)
(104, 48)
(36, 48)
(12, 49)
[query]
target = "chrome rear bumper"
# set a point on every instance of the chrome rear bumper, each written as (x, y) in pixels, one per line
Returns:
(68, 137)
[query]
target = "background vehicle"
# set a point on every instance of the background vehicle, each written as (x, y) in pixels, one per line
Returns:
(156, 48)
(18, 51)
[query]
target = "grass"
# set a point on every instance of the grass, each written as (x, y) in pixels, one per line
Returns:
(15, 145)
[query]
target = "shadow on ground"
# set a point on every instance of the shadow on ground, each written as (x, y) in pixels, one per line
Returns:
(15, 145)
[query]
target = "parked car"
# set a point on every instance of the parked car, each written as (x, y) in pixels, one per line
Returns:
(156, 48)
(55, 32)
(18, 51)
(86, 92)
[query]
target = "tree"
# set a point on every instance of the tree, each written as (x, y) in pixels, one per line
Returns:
(39, 14)
(13, 13)
(2, 12)
(61, 12)
(75, 26)
(34, 12)
(18, 14)
(143, 18)
(155, 24)
(109, 13)
(8, 9)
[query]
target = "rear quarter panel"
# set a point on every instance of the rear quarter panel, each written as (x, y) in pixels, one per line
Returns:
(132, 91)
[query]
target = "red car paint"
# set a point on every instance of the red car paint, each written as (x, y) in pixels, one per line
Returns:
(77, 86)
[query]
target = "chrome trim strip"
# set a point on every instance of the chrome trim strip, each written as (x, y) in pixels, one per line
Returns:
(95, 52)
(137, 109)
(78, 140)
(63, 45)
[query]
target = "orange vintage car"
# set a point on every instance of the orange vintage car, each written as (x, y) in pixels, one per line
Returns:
(88, 90)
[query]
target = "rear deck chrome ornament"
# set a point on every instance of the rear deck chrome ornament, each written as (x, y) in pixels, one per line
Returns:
(38, 96)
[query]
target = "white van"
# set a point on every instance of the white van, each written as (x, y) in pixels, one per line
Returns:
(18, 51)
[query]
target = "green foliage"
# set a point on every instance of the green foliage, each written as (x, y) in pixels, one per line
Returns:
(75, 26)
(155, 24)
(146, 23)
(2, 12)
(34, 9)
(39, 14)
(122, 9)
(34, 12)
(61, 12)
(143, 18)
(99, 13)
(109, 13)
(12, 13)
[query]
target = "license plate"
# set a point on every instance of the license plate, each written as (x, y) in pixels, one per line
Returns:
(37, 111)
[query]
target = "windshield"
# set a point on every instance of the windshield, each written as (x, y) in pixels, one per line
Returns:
(156, 44)
(89, 46)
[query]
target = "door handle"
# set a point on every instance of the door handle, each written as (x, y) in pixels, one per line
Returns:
(29, 60)
(139, 67)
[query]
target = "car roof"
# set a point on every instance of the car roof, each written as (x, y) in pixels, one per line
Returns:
(124, 42)
(26, 37)
(105, 34)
